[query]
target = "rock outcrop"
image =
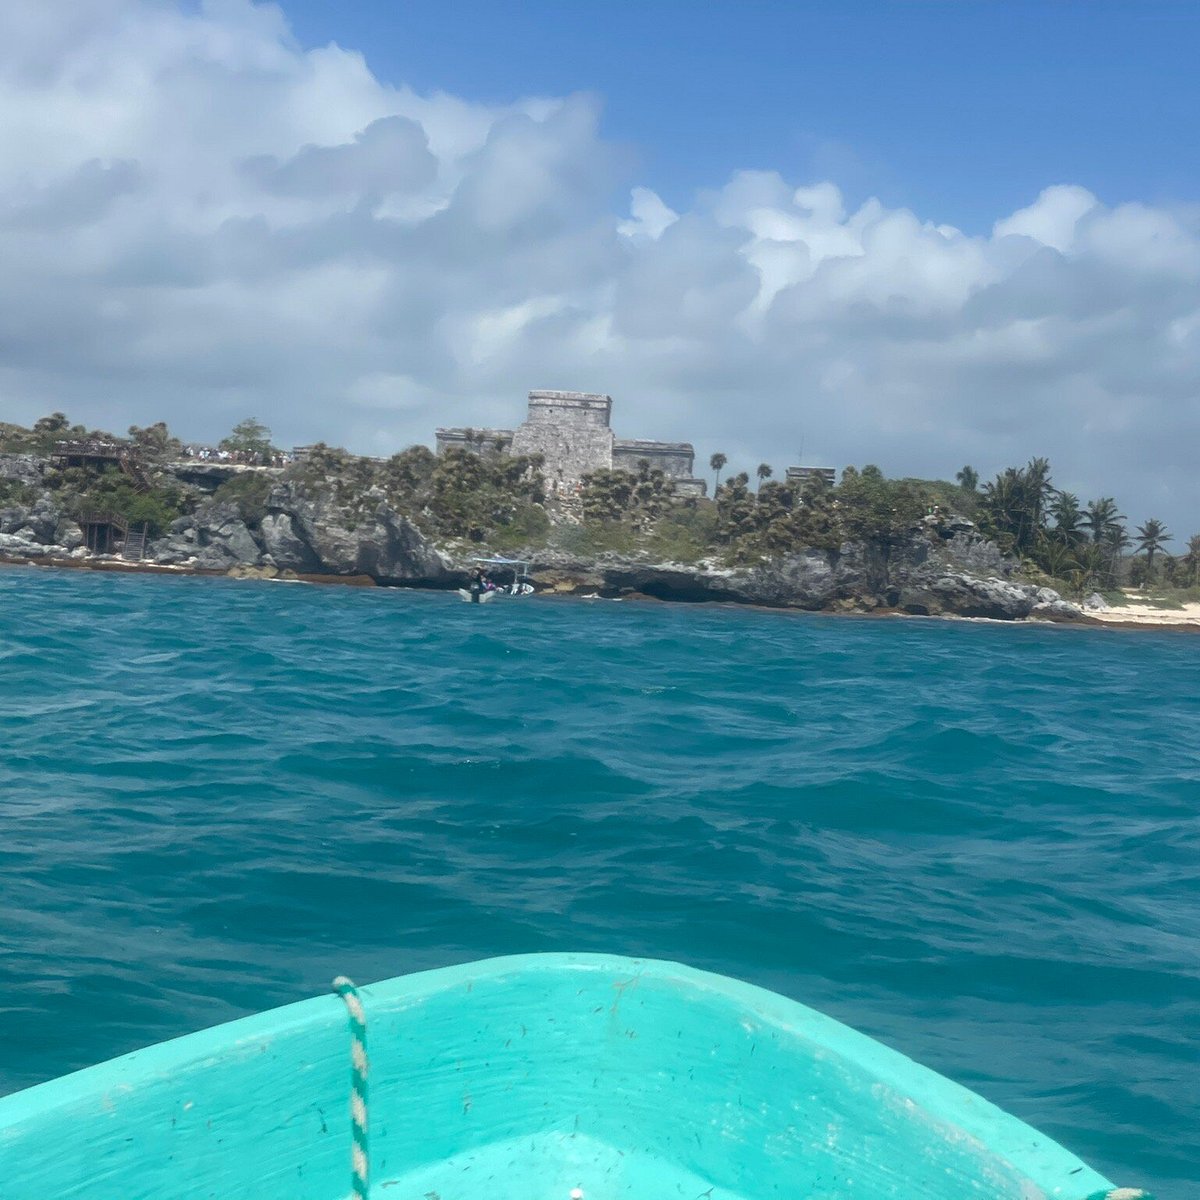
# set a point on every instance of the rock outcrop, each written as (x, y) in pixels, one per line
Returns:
(368, 539)
(306, 534)
(917, 576)
(939, 569)
(213, 538)
(21, 468)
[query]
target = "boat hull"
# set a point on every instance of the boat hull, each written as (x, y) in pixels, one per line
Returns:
(528, 1077)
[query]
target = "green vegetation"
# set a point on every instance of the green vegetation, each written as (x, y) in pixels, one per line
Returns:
(496, 501)
(145, 499)
(249, 438)
(638, 500)
(248, 492)
(1082, 545)
(1151, 539)
(46, 432)
(155, 443)
(112, 491)
(629, 513)
(12, 491)
(715, 464)
(478, 498)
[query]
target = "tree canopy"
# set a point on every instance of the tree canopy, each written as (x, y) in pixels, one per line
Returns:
(251, 437)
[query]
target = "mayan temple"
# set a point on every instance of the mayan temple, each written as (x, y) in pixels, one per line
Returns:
(572, 433)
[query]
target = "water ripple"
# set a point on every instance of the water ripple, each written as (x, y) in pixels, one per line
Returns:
(979, 843)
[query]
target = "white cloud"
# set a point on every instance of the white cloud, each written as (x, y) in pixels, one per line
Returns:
(1052, 219)
(199, 219)
(648, 215)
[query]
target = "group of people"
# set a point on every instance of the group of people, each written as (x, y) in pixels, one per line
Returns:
(249, 458)
(481, 581)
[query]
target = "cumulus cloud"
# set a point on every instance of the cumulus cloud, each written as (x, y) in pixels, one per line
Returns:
(200, 219)
(648, 215)
(390, 156)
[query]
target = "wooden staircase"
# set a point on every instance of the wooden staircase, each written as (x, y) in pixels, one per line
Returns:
(102, 530)
(98, 453)
(133, 468)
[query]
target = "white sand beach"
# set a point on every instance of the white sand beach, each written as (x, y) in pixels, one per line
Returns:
(1141, 610)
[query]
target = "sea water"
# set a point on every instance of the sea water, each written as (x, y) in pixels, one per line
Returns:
(978, 843)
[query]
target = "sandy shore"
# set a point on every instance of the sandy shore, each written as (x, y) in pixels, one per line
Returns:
(1141, 611)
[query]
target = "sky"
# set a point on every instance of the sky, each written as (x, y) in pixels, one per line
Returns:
(915, 234)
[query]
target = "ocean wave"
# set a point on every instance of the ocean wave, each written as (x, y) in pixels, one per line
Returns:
(979, 843)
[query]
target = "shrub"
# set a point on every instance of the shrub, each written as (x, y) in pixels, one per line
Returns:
(248, 491)
(13, 491)
(114, 492)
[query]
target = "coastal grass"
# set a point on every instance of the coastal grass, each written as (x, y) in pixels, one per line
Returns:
(685, 535)
(527, 526)
(1163, 597)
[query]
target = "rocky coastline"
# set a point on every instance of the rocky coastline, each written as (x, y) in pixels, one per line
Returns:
(304, 532)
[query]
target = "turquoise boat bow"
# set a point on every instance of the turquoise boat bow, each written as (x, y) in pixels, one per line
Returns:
(550, 1076)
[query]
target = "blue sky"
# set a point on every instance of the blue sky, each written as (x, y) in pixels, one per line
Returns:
(916, 235)
(961, 111)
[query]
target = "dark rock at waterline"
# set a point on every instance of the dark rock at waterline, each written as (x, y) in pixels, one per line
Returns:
(370, 539)
(946, 569)
(287, 549)
(213, 538)
(307, 534)
(916, 576)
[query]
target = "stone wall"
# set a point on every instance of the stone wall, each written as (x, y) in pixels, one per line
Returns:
(673, 459)
(478, 441)
(801, 475)
(676, 460)
(570, 430)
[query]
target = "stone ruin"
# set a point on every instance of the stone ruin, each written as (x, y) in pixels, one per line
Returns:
(571, 431)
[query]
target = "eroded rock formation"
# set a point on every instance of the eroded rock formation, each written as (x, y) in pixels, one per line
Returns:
(304, 530)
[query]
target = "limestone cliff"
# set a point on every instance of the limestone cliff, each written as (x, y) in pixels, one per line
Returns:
(305, 529)
(922, 576)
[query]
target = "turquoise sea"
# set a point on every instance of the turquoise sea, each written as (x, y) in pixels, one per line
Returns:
(978, 843)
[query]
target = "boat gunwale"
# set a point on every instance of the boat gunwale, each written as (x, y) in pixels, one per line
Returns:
(947, 1105)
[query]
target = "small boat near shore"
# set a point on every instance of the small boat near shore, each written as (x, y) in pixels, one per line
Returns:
(555, 1076)
(505, 576)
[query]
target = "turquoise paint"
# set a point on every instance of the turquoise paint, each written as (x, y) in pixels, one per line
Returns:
(527, 1077)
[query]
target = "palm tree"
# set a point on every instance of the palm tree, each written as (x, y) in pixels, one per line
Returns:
(1068, 519)
(1008, 510)
(1116, 542)
(764, 471)
(1037, 477)
(968, 479)
(716, 463)
(1191, 560)
(1151, 538)
(1055, 558)
(1092, 564)
(1102, 517)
